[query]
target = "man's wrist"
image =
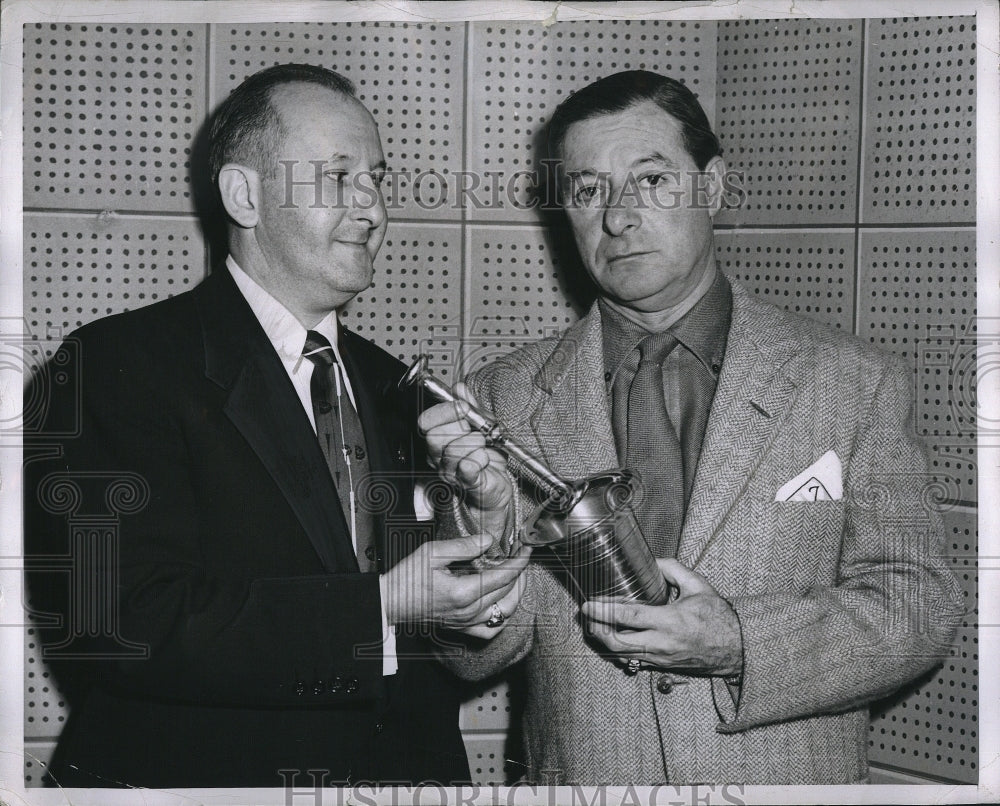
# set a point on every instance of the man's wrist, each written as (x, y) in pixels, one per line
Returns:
(734, 677)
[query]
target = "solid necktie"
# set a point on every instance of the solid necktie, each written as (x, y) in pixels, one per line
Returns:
(652, 448)
(342, 440)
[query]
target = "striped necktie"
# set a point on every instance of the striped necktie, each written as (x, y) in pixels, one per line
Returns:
(342, 440)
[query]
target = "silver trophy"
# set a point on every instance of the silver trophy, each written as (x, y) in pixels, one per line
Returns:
(588, 523)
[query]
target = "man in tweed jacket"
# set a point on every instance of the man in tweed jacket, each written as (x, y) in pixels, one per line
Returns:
(808, 565)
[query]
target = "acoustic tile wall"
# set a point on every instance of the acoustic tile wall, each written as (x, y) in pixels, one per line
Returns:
(471, 267)
(789, 110)
(920, 134)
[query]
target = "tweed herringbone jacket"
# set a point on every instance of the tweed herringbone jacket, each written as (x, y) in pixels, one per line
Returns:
(839, 601)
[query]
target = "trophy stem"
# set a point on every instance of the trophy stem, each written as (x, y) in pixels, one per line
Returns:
(525, 463)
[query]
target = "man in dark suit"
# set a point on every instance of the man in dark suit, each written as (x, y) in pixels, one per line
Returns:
(783, 489)
(262, 601)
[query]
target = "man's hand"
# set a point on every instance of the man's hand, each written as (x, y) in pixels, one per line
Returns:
(422, 588)
(697, 633)
(463, 460)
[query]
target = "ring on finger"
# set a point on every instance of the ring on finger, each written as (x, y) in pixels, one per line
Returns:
(632, 667)
(496, 616)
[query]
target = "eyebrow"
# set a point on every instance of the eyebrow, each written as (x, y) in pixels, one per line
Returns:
(580, 174)
(656, 158)
(379, 166)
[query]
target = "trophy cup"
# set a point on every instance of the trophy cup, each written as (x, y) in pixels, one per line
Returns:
(588, 523)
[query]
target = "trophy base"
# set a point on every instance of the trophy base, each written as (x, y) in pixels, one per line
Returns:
(595, 536)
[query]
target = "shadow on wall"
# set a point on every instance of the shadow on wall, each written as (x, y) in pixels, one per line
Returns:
(574, 282)
(212, 218)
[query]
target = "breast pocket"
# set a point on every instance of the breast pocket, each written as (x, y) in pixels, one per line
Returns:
(805, 540)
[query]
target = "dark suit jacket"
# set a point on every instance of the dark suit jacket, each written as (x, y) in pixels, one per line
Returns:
(214, 620)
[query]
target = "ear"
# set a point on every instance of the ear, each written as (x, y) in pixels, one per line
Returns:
(716, 173)
(239, 188)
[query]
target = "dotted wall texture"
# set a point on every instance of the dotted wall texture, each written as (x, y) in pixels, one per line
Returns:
(81, 267)
(469, 269)
(417, 295)
(920, 135)
(110, 113)
(810, 272)
(789, 111)
(520, 292)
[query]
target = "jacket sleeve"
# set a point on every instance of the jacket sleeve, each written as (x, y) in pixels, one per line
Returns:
(892, 612)
(164, 622)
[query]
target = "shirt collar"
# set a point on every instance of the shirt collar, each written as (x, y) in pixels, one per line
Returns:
(284, 331)
(702, 331)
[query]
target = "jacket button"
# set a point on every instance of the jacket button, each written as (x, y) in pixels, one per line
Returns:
(379, 727)
(319, 687)
(664, 684)
(336, 684)
(352, 685)
(300, 687)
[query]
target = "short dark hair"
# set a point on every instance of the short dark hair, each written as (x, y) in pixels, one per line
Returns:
(247, 128)
(618, 92)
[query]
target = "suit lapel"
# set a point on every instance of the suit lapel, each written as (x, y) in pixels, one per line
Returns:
(573, 422)
(263, 406)
(756, 389)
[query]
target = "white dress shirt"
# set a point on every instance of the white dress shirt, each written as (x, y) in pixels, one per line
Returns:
(288, 337)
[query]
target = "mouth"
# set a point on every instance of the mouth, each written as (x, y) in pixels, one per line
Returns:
(624, 256)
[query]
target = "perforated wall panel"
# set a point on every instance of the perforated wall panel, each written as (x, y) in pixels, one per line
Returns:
(488, 724)
(45, 709)
(80, 267)
(920, 131)
(918, 299)
(415, 304)
(487, 708)
(36, 759)
(487, 762)
(935, 729)
(110, 113)
(521, 71)
(409, 76)
(810, 273)
(519, 292)
(789, 111)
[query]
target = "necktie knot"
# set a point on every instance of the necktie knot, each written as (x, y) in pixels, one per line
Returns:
(655, 348)
(318, 349)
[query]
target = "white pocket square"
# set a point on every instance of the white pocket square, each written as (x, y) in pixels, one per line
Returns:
(821, 481)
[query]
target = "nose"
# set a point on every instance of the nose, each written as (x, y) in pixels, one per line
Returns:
(621, 214)
(368, 204)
